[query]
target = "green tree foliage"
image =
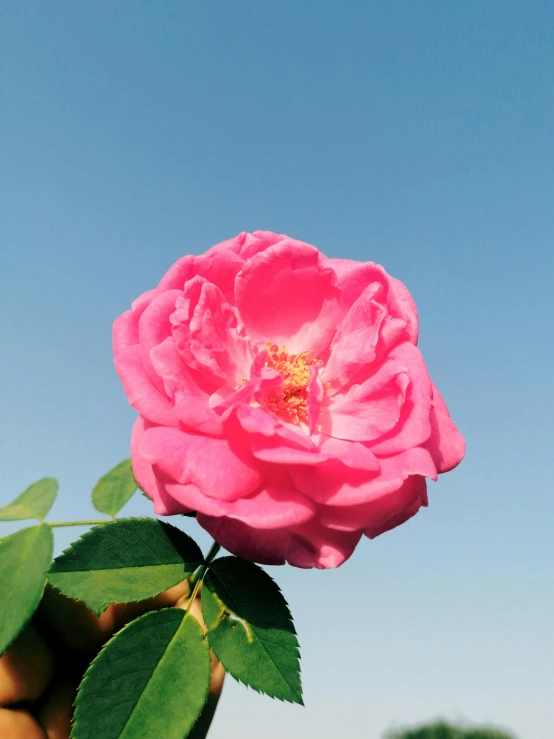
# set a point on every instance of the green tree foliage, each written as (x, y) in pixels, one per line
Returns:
(443, 730)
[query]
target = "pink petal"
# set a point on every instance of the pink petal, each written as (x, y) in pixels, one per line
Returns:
(190, 404)
(219, 468)
(218, 266)
(367, 411)
(277, 451)
(403, 303)
(257, 421)
(270, 439)
(349, 453)
(154, 327)
(333, 483)
(354, 278)
(354, 344)
(247, 245)
(286, 295)
(446, 445)
(125, 327)
(143, 396)
(125, 331)
(180, 321)
(316, 391)
(308, 545)
(260, 241)
(274, 505)
(376, 514)
(262, 381)
(209, 334)
(414, 425)
(164, 505)
(398, 518)
(143, 301)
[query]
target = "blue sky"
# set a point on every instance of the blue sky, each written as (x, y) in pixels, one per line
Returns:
(414, 134)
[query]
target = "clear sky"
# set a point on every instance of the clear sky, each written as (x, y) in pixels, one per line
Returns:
(415, 134)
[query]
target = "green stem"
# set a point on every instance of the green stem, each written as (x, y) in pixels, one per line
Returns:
(76, 523)
(197, 577)
(212, 554)
(193, 595)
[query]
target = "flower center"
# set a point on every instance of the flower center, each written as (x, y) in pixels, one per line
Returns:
(295, 371)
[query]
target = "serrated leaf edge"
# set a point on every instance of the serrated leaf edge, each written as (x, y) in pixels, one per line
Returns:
(213, 572)
(144, 616)
(223, 615)
(94, 609)
(295, 700)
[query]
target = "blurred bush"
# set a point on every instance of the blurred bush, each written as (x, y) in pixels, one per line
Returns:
(442, 730)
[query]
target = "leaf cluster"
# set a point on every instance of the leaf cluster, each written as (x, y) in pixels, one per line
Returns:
(161, 658)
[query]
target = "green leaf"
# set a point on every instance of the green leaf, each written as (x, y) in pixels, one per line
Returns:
(150, 680)
(123, 561)
(114, 489)
(35, 502)
(250, 628)
(24, 560)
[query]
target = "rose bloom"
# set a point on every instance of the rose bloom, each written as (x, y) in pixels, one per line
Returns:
(282, 397)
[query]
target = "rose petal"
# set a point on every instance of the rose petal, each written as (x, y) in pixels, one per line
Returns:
(164, 504)
(400, 517)
(219, 468)
(190, 404)
(247, 245)
(125, 328)
(446, 445)
(143, 396)
(209, 334)
(308, 545)
(414, 425)
(154, 327)
(219, 267)
(377, 513)
(404, 304)
(354, 345)
(333, 483)
(286, 295)
(349, 453)
(316, 392)
(256, 421)
(367, 411)
(274, 505)
(354, 278)
(277, 451)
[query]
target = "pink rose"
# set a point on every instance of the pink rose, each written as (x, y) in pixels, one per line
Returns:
(282, 397)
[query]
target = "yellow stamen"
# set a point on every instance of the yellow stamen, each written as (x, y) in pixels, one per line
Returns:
(291, 402)
(295, 371)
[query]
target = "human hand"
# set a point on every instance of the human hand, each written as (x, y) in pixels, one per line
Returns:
(41, 671)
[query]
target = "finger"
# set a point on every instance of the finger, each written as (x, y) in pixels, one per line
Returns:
(202, 726)
(56, 711)
(72, 623)
(77, 627)
(16, 724)
(25, 669)
(126, 612)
